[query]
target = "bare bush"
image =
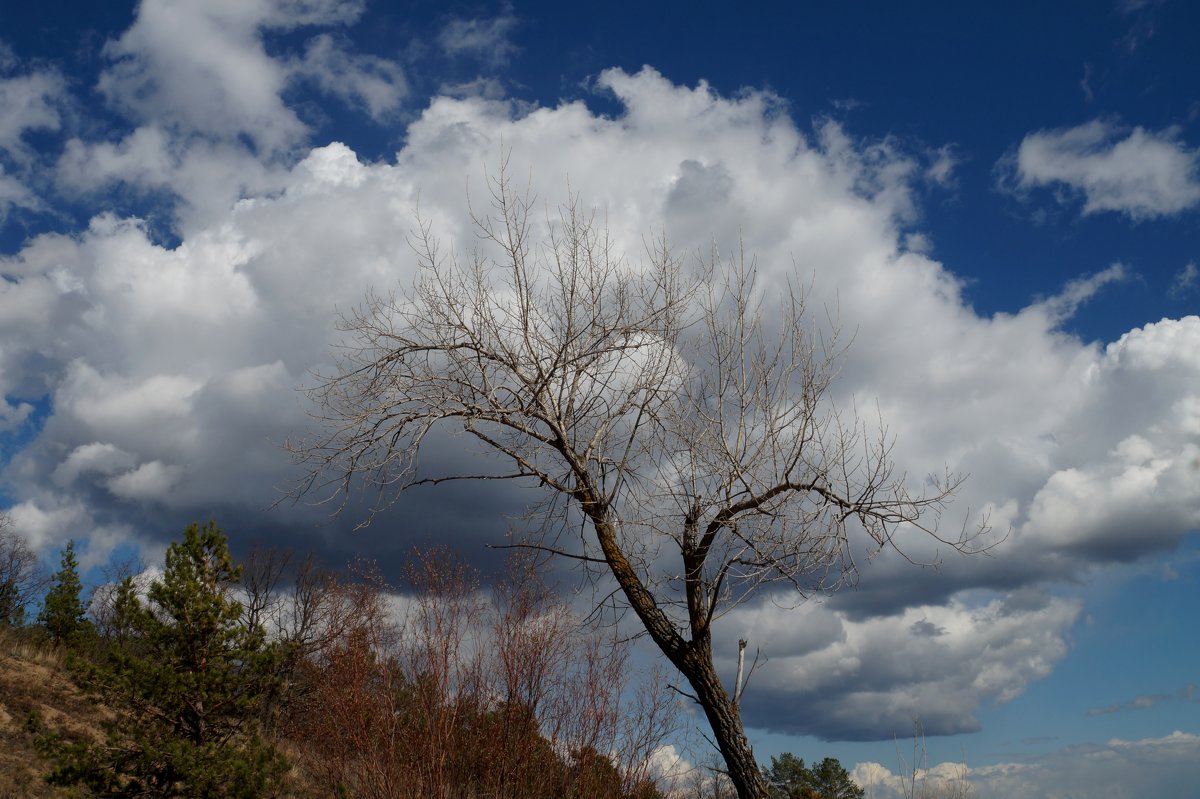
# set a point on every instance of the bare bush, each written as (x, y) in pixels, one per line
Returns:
(464, 692)
(919, 781)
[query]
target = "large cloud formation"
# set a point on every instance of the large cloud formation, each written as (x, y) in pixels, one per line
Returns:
(171, 370)
(851, 679)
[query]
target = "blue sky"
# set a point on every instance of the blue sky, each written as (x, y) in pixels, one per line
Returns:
(1002, 199)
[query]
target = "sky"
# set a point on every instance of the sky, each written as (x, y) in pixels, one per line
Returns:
(1001, 200)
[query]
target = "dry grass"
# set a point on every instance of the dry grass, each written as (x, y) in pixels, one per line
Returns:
(34, 685)
(21, 645)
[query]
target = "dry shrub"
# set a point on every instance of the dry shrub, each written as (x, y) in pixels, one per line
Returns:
(453, 691)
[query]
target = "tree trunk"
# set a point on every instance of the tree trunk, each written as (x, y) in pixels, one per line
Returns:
(725, 720)
(693, 658)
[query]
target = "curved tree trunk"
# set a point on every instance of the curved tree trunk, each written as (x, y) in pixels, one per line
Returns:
(693, 658)
(725, 720)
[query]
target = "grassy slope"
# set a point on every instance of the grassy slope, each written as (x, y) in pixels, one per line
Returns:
(33, 681)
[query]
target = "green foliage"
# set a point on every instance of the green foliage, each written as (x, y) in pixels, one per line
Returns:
(63, 610)
(789, 778)
(187, 680)
(832, 782)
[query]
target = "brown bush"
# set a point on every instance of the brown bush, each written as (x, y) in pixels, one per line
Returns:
(453, 691)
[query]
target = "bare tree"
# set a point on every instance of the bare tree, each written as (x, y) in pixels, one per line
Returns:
(344, 719)
(295, 601)
(102, 608)
(685, 440)
(22, 579)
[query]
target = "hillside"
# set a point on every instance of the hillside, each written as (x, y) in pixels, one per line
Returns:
(34, 684)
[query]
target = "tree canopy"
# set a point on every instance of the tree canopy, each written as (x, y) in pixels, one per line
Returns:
(789, 778)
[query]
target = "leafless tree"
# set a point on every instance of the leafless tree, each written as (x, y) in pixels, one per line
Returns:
(344, 716)
(22, 580)
(103, 605)
(707, 780)
(683, 434)
(294, 601)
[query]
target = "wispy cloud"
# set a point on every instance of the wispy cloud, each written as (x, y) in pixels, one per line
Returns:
(1140, 173)
(1062, 306)
(28, 102)
(1147, 701)
(377, 84)
(1130, 6)
(942, 165)
(1186, 281)
(1144, 25)
(487, 39)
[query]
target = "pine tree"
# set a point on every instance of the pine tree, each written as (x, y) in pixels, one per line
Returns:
(187, 680)
(63, 610)
(830, 780)
(789, 778)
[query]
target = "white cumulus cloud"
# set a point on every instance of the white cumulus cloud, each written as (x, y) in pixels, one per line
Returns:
(171, 370)
(867, 679)
(1117, 769)
(199, 80)
(202, 66)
